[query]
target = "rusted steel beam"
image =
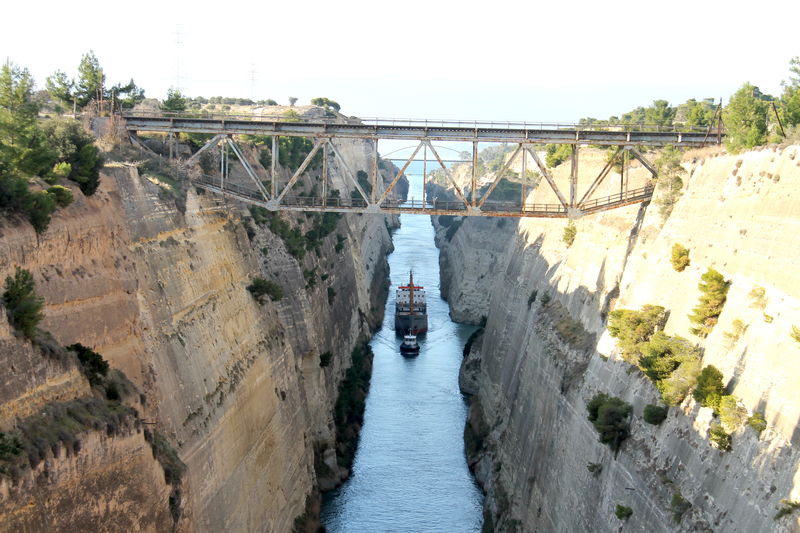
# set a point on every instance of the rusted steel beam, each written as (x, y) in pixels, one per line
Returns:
(644, 162)
(274, 165)
(210, 144)
(474, 173)
(459, 192)
(248, 169)
(573, 175)
(548, 177)
(349, 173)
(300, 170)
(400, 174)
(499, 176)
(600, 177)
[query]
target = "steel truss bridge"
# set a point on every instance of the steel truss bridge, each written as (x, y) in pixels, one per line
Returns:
(324, 132)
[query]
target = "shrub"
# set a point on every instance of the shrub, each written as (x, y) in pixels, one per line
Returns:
(738, 328)
(339, 243)
(680, 257)
(609, 415)
(675, 388)
(570, 231)
(261, 287)
(679, 506)
(654, 414)
(786, 507)
(757, 422)
(331, 295)
(23, 305)
(795, 334)
(93, 364)
(532, 298)
(557, 154)
(40, 206)
(61, 195)
(714, 291)
(731, 415)
(76, 147)
(623, 512)
(594, 468)
(633, 328)
(325, 359)
(758, 295)
(720, 437)
(709, 388)
(348, 412)
(10, 447)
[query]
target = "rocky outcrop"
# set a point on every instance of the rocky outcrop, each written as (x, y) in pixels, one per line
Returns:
(159, 288)
(546, 351)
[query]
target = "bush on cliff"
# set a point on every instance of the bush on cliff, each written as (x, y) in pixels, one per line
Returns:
(710, 389)
(632, 328)
(350, 402)
(680, 257)
(94, 366)
(609, 415)
(654, 414)
(23, 305)
(261, 287)
(570, 231)
(714, 291)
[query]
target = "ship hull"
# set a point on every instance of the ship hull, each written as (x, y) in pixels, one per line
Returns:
(414, 324)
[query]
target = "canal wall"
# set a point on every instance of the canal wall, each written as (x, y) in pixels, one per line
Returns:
(546, 351)
(154, 276)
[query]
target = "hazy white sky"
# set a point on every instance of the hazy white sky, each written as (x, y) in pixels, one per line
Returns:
(534, 61)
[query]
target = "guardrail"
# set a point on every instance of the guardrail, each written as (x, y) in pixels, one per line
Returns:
(634, 195)
(427, 123)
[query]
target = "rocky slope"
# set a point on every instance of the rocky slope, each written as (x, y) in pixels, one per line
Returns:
(545, 352)
(235, 385)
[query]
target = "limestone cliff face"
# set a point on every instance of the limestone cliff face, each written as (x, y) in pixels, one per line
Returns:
(545, 352)
(235, 385)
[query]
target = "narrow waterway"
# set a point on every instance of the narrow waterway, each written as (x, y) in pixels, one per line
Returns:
(410, 473)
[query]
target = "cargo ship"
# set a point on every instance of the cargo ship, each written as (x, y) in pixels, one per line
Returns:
(411, 310)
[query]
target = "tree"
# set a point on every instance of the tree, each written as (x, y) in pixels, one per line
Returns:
(680, 258)
(745, 119)
(709, 388)
(132, 94)
(292, 101)
(633, 328)
(327, 103)
(659, 114)
(175, 101)
(714, 291)
(60, 87)
(609, 415)
(91, 80)
(23, 305)
(699, 113)
(73, 145)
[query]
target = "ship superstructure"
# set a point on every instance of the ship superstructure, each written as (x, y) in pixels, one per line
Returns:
(411, 309)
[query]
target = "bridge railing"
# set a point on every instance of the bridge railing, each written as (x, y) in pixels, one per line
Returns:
(424, 123)
(618, 198)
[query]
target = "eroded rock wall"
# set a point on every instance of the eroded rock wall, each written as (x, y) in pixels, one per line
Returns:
(545, 352)
(235, 385)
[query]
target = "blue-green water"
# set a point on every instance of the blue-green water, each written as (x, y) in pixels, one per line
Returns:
(410, 473)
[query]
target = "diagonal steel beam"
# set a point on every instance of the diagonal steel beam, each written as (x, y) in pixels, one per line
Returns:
(600, 177)
(210, 144)
(273, 173)
(474, 173)
(300, 170)
(459, 192)
(400, 174)
(135, 140)
(573, 175)
(548, 177)
(348, 172)
(248, 169)
(499, 176)
(644, 161)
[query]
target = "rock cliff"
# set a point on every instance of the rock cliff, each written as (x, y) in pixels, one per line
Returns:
(155, 279)
(546, 351)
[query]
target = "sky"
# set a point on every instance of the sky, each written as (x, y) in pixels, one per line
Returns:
(500, 60)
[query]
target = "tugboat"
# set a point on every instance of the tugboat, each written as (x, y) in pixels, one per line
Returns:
(411, 311)
(409, 345)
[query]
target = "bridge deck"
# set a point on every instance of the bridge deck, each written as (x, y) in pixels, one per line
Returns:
(460, 131)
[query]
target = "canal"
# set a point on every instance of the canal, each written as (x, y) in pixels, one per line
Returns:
(410, 473)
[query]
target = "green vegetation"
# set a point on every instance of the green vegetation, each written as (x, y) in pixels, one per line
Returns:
(679, 506)
(622, 512)
(292, 151)
(720, 438)
(340, 240)
(91, 85)
(670, 185)
(173, 467)
(175, 101)
(757, 422)
(745, 118)
(349, 409)
(786, 507)
(94, 366)
(795, 334)
(738, 328)
(714, 291)
(609, 415)
(472, 338)
(758, 297)
(261, 287)
(732, 416)
(570, 231)
(329, 105)
(633, 328)
(557, 154)
(23, 305)
(75, 147)
(325, 359)
(331, 295)
(654, 414)
(680, 257)
(709, 390)
(61, 195)
(594, 468)
(532, 298)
